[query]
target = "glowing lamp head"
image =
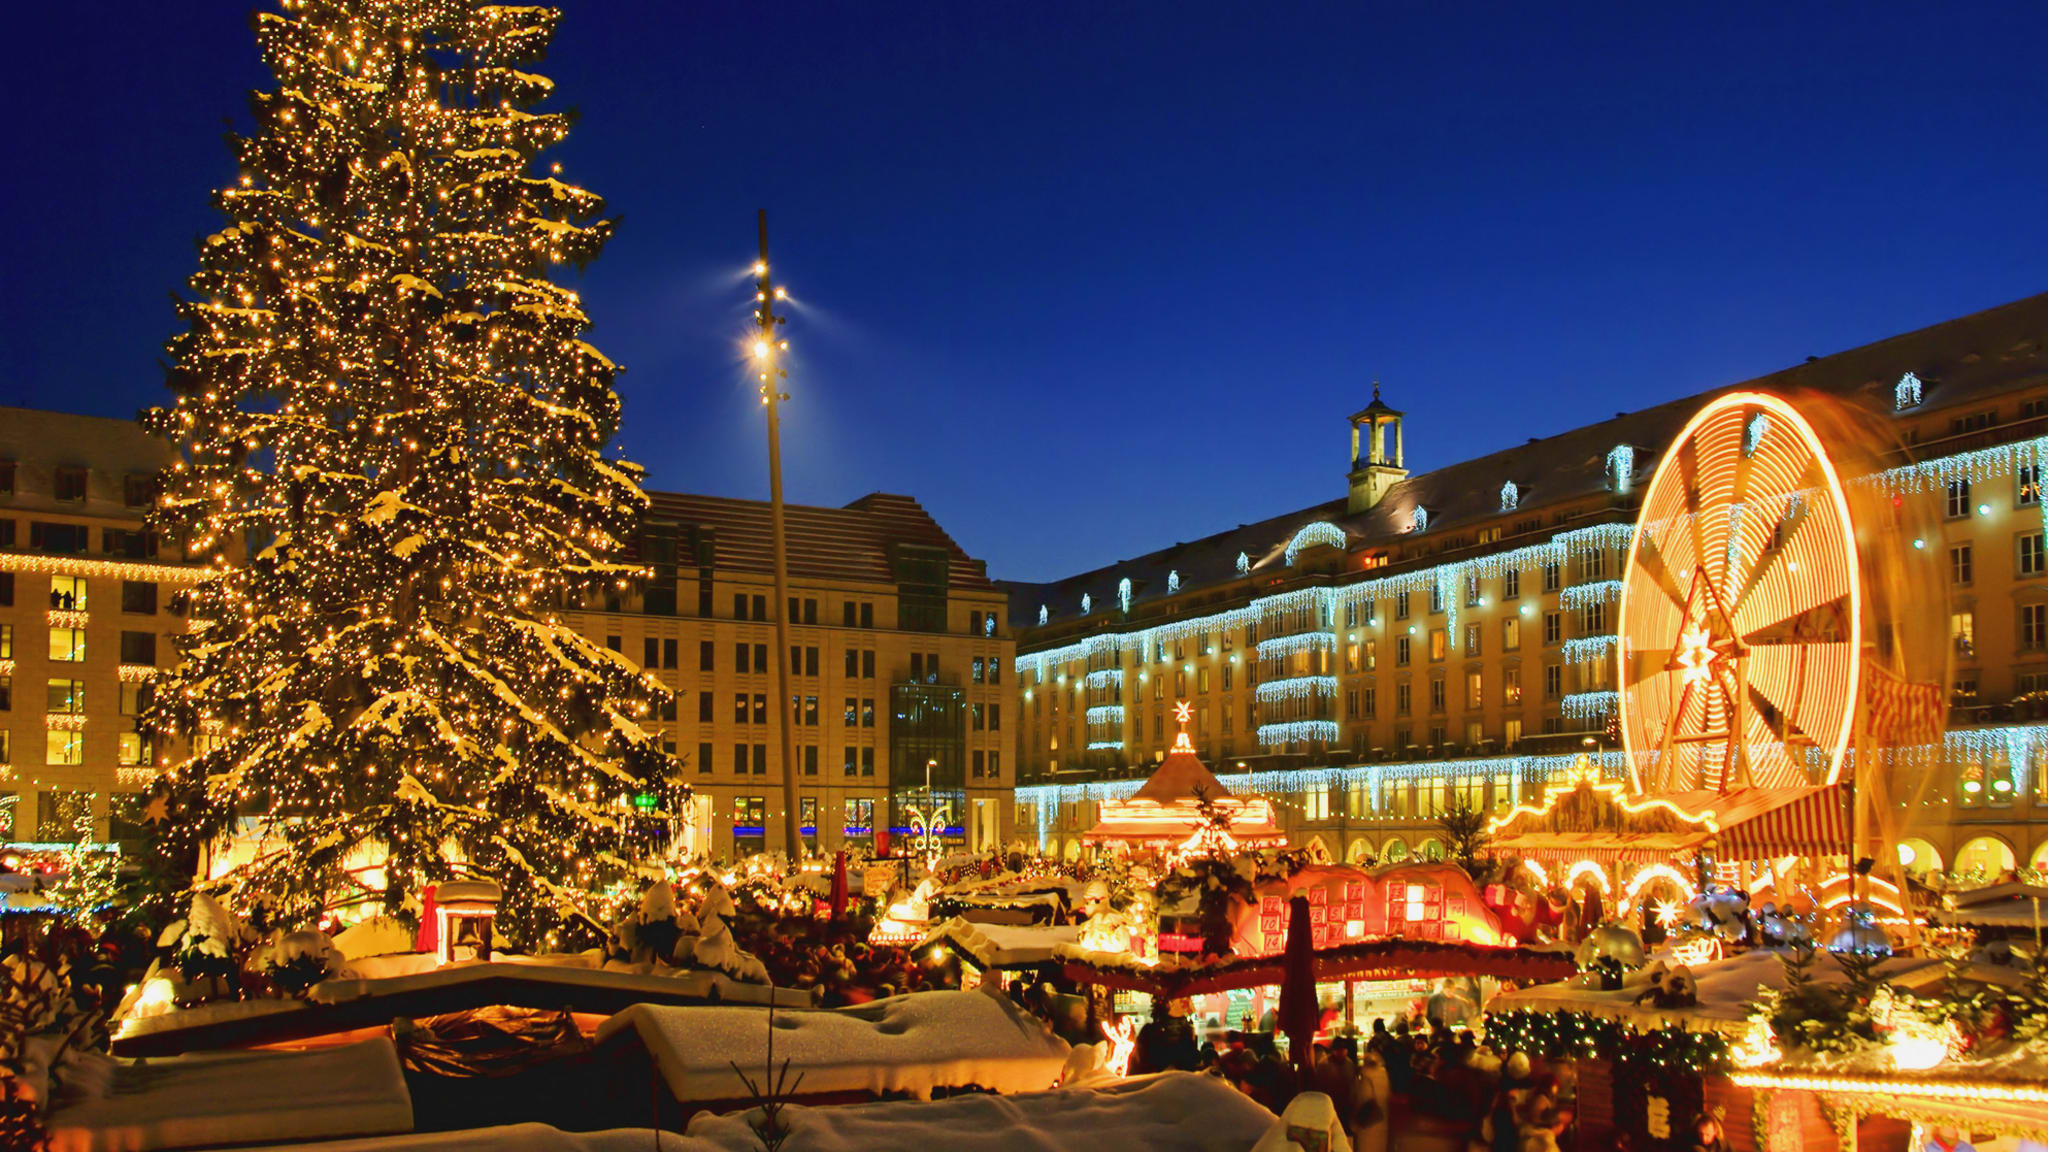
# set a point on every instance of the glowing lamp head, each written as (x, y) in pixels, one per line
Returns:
(760, 349)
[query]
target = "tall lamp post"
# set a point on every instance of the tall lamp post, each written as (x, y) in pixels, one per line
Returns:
(766, 345)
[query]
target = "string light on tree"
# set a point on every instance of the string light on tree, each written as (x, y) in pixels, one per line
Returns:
(380, 386)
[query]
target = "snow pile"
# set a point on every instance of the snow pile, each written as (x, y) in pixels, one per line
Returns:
(913, 1044)
(716, 949)
(657, 929)
(238, 1098)
(295, 961)
(376, 936)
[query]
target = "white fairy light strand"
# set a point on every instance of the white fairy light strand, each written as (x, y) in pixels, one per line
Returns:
(1297, 688)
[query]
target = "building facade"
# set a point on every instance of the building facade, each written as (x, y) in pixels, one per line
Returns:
(900, 652)
(89, 606)
(1425, 639)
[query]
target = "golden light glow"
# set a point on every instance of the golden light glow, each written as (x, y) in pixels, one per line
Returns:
(1895, 1086)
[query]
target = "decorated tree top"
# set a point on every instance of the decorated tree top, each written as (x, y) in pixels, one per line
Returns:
(393, 436)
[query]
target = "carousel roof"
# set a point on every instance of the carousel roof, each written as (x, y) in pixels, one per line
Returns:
(1600, 820)
(1168, 807)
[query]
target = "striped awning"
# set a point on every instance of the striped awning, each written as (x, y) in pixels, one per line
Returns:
(1761, 823)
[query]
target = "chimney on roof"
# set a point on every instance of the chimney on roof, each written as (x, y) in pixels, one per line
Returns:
(1376, 452)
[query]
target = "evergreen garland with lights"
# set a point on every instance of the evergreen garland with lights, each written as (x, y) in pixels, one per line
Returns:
(1585, 1036)
(391, 433)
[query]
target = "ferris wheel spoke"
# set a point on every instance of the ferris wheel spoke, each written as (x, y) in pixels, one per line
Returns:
(1695, 515)
(1826, 622)
(1796, 514)
(1650, 559)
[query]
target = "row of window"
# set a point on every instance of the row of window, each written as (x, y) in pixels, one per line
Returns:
(858, 761)
(1957, 502)
(2029, 559)
(69, 483)
(2031, 629)
(752, 659)
(71, 594)
(67, 646)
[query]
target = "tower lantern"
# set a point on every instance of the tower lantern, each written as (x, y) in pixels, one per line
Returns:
(1376, 452)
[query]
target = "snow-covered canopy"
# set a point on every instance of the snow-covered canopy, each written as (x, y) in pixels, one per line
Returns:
(912, 1043)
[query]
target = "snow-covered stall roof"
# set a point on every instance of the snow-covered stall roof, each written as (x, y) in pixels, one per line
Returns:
(341, 1005)
(1004, 945)
(240, 1097)
(1173, 1112)
(1727, 989)
(912, 1043)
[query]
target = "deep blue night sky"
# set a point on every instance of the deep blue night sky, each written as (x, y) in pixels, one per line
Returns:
(1089, 278)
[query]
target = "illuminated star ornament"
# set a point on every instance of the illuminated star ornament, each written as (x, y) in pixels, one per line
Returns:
(1696, 655)
(1182, 711)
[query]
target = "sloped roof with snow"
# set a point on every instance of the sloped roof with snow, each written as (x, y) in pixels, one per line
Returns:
(858, 542)
(1958, 362)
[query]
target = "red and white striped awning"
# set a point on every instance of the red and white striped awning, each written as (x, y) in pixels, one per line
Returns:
(1760, 823)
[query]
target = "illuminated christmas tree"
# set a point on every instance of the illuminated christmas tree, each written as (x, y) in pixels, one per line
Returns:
(392, 434)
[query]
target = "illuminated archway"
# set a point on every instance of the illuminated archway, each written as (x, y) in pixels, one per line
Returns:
(2039, 861)
(1394, 851)
(1918, 856)
(1656, 881)
(1986, 855)
(1431, 850)
(1358, 851)
(1591, 873)
(1740, 606)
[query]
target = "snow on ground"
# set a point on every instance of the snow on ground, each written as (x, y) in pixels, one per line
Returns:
(912, 1043)
(240, 1097)
(1174, 1112)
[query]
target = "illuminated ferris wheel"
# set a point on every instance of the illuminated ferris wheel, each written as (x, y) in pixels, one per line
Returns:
(1741, 607)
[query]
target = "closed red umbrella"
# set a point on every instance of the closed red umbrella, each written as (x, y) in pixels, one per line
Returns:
(839, 885)
(1299, 1013)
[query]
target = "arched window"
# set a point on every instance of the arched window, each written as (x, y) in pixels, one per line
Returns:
(1510, 496)
(1244, 563)
(1418, 520)
(1173, 582)
(1123, 594)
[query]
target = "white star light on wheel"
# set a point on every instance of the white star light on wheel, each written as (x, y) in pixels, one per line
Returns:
(1696, 654)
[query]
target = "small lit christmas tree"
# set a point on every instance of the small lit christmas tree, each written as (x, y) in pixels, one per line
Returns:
(392, 435)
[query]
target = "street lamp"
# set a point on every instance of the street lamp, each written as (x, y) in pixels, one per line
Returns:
(765, 347)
